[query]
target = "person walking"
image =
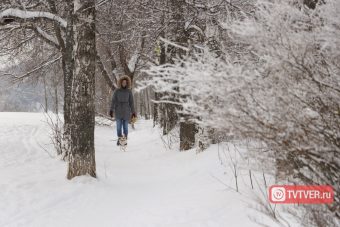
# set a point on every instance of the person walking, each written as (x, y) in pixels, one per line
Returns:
(122, 107)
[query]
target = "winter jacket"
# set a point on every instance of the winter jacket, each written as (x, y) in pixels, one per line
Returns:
(122, 101)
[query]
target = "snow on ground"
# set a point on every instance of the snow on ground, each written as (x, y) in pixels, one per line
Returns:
(146, 186)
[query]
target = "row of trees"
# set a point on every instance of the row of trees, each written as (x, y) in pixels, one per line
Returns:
(277, 82)
(127, 40)
(264, 70)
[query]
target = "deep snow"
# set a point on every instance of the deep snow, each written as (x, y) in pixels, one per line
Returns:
(146, 186)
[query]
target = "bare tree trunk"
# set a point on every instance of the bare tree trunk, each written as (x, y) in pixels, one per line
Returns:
(82, 152)
(67, 66)
(56, 100)
(141, 103)
(46, 100)
(156, 110)
(187, 128)
(148, 103)
(187, 132)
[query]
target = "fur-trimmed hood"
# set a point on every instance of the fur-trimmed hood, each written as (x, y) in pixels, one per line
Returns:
(128, 80)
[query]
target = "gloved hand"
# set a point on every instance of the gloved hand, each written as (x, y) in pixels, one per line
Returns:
(111, 113)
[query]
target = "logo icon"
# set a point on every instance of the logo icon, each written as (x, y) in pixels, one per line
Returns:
(301, 194)
(277, 194)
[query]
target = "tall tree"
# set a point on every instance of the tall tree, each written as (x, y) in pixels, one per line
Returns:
(171, 50)
(74, 38)
(187, 129)
(82, 109)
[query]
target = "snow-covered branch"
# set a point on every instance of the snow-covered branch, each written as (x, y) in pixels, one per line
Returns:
(286, 97)
(49, 38)
(173, 44)
(18, 13)
(18, 78)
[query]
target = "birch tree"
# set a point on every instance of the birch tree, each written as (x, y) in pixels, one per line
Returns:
(74, 36)
(82, 109)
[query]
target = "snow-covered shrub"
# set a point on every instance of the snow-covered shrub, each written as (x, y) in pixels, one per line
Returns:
(283, 90)
(297, 96)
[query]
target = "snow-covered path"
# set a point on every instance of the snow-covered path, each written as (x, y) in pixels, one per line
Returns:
(145, 186)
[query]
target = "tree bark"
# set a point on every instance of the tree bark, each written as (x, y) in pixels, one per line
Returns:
(56, 100)
(67, 66)
(45, 91)
(187, 128)
(82, 108)
(187, 132)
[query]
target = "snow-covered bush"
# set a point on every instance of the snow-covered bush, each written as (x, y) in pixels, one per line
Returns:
(284, 90)
(297, 97)
(204, 86)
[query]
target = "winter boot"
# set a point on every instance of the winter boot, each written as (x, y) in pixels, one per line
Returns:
(118, 141)
(122, 141)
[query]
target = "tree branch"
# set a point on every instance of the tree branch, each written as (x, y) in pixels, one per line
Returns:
(18, 13)
(105, 74)
(174, 44)
(17, 78)
(59, 36)
(47, 37)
